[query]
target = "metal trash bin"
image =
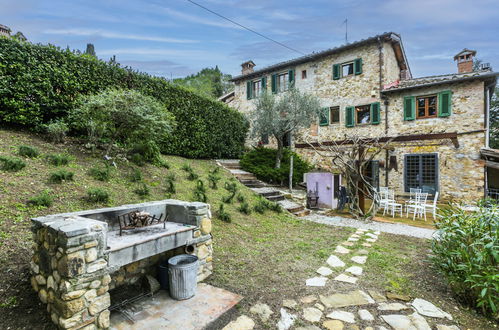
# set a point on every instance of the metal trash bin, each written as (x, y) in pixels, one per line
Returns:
(182, 279)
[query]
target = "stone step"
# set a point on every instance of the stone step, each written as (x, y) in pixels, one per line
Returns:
(271, 193)
(302, 213)
(275, 198)
(255, 185)
(232, 166)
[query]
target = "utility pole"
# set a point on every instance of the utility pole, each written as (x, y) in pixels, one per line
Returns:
(346, 30)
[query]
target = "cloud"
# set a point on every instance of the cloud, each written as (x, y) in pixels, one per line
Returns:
(196, 19)
(168, 69)
(115, 35)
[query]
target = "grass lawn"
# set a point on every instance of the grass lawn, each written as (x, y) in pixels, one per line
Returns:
(264, 257)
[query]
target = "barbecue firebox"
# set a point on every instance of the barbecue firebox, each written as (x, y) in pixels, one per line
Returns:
(78, 257)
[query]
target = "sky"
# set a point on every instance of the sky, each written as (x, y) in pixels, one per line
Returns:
(175, 38)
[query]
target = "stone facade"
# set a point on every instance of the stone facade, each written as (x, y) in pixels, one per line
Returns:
(460, 170)
(71, 267)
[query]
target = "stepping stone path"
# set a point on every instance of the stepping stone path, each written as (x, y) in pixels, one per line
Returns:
(342, 250)
(316, 281)
(312, 314)
(263, 311)
(355, 309)
(324, 271)
(342, 316)
(346, 278)
(334, 261)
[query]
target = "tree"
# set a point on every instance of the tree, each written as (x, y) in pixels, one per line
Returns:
(90, 50)
(494, 120)
(123, 117)
(209, 82)
(280, 115)
(351, 157)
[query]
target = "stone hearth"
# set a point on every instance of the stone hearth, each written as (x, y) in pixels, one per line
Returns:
(78, 257)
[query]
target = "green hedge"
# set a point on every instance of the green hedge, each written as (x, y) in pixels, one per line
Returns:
(261, 161)
(40, 83)
(467, 253)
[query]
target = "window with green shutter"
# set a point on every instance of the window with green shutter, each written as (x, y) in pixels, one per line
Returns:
(357, 63)
(249, 89)
(349, 116)
(336, 71)
(324, 117)
(409, 108)
(274, 83)
(444, 103)
(264, 84)
(291, 77)
(375, 113)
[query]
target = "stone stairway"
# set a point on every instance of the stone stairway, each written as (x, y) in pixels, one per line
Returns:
(272, 194)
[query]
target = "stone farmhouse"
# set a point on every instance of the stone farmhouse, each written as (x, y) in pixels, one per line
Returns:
(438, 124)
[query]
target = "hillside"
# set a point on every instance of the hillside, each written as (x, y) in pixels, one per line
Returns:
(253, 240)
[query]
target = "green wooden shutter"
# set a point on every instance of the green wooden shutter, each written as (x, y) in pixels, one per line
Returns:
(336, 71)
(349, 117)
(357, 66)
(274, 83)
(291, 77)
(324, 117)
(264, 84)
(409, 108)
(444, 103)
(248, 90)
(375, 113)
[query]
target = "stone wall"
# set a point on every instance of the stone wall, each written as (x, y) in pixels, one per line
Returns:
(71, 271)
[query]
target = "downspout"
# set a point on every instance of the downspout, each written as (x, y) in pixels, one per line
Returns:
(380, 58)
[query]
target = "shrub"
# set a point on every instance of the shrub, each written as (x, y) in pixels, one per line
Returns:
(213, 180)
(223, 215)
(58, 159)
(244, 208)
(143, 190)
(135, 175)
(100, 173)
(206, 128)
(261, 162)
(170, 184)
(56, 131)
(42, 199)
(187, 167)
(11, 164)
(28, 151)
(97, 195)
(200, 192)
(232, 189)
(60, 176)
(263, 205)
(240, 198)
(466, 252)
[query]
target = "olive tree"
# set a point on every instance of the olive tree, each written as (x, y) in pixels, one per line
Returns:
(282, 114)
(123, 117)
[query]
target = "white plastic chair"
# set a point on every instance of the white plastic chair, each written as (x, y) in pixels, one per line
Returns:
(418, 208)
(392, 205)
(432, 207)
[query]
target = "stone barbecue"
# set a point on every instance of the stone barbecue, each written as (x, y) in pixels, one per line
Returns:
(78, 257)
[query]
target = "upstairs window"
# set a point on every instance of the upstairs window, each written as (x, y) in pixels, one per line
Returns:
(430, 106)
(426, 106)
(363, 114)
(257, 87)
(334, 115)
(304, 74)
(347, 69)
(282, 82)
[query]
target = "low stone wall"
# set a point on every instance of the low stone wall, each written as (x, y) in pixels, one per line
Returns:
(70, 265)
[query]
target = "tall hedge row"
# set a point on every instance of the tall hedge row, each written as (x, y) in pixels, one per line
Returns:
(39, 83)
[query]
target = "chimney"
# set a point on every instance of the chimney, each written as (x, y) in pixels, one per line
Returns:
(247, 67)
(465, 60)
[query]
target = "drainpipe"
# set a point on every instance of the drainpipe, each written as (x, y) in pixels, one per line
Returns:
(487, 116)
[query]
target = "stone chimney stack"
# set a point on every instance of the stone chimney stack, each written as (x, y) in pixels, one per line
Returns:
(465, 60)
(247, 67)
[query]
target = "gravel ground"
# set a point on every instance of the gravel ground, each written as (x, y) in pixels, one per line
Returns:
(392, 228)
